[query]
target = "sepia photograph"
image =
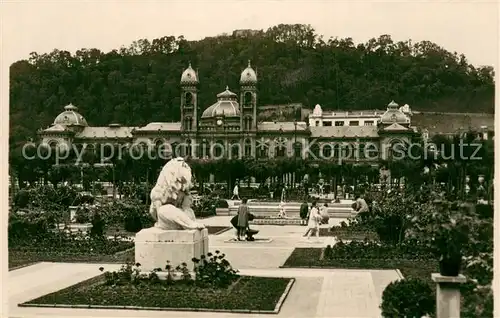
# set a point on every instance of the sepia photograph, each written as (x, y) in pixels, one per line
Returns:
(247, 159)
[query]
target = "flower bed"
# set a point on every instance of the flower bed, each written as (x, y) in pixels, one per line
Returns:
(247, 294)
(356, 255)
(216, 286)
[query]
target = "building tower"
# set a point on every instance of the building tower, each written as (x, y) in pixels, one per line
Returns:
(189, 100)
(248, 99)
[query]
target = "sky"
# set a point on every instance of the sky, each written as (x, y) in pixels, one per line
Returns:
(468, 27)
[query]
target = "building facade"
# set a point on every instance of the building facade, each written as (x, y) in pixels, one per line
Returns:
(228, 128)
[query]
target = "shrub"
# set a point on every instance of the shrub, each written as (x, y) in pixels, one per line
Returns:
(391, 214)
(135, 191)
(46, 198)
(129, 213)
(328, 252)
(213, 270)
(27, 227)
(409, 298)
(206, 207)
(97, 230)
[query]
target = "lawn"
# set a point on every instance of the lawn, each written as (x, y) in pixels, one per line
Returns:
(313, 257)
(246, 294)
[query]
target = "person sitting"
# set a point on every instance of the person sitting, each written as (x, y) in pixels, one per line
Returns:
(362, 207)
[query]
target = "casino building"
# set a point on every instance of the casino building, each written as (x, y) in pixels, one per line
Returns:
(229, 128)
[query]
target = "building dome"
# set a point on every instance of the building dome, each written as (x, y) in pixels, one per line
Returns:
(394, 115)
(317, 111)
(248, 76)
(226, 106)
(189, 76)
(70, 117)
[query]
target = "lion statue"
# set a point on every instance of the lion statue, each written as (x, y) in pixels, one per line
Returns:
(171, 200)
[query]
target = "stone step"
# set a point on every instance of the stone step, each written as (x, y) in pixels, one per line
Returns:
(290, 209)
(294, 213)
(342, 204)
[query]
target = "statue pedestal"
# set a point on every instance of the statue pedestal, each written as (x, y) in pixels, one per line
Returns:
(154, 247)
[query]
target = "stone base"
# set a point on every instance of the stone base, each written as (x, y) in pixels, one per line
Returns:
(154, 247)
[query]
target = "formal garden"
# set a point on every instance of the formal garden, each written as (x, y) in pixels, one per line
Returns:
(432, 216)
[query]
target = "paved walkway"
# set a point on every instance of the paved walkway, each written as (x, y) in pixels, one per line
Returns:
(316, 293)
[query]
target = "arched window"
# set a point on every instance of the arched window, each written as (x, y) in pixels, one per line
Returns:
(348, 152)
(247, 99)
(247, 123)
(188, 123)
(263, 150)
(297, 150)
(396, 150)
(188, 99)
(326, 151)
(218, 149)
(280, 147)
(361, 151)
(235, 149)
(371, 151)
(248, 148)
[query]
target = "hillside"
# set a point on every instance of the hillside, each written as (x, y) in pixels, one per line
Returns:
(140, 83)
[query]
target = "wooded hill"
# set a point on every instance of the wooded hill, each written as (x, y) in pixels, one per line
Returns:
(138, 84)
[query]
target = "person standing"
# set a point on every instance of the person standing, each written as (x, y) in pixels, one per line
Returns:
(243, 215)
(314, 219)
(235, 192)
(304, 210)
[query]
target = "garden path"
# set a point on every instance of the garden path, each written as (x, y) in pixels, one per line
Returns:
(317, 293)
